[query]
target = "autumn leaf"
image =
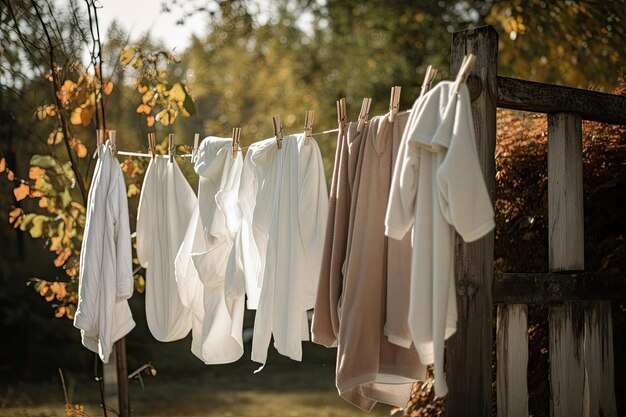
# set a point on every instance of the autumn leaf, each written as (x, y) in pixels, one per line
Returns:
(108, 88)
(3, 164)
(144, 108)
(60, 312)
(81, 150)
(150, 121)
(10, 175)
(126, 56)
(55, 137)
(87, 114)
(15, 216)
(177, 93)
(36, 228)
(75, 118)
(35, 172)
(41, 112)
(132, 191)
(142, 88)
(43, 202)
(21, 192)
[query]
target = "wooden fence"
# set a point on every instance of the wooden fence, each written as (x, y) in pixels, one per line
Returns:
(580, 329)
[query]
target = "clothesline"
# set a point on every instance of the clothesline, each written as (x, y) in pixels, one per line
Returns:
(189, 155)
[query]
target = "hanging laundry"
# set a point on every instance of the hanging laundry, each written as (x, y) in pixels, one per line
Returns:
(325, 325)
(106, 273)
(201, 260)
(165, 206)
(244, 272)
(438, 190)
(370, 368)
(291, 213)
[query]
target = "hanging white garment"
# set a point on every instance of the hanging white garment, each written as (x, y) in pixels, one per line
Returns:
(294, 215)
(202, 258)
(106, 274)
(244, 272)
(165, 207)
(439, 189)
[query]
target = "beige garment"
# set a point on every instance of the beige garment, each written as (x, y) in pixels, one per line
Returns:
(325, 326)
(369, 367)
(398, 266)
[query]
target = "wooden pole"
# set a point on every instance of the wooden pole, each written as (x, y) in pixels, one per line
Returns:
(122, 378)
(468, 356)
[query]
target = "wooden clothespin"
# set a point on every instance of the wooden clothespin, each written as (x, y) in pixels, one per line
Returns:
(394, 102)
(194, 151)
(236, 136)
(152, 144)
(99, 141)
(341, 114)
(309, 118)
(365, 109)
(171, 148)
(428, 79)
(112, 138)
(466, 67)
(278, 130)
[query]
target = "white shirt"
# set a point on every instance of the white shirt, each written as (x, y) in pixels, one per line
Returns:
(201, 260)
(106, 273)
(438, 189)
(165, 207)
(291, 211)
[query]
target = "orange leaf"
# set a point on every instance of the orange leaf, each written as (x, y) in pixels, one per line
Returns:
(86, 115)
(10, 175)
(21, 192)
(142, 88)
(108, 87)
(3, 164)
(14, 216)
(150, 121)
(81, 150)
(43, 202)
(76, 118)
(144, 108)
(35, 172)
(60, 312)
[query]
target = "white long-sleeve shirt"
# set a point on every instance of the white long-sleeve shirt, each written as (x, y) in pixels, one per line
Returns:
(202, 258)
(165, 206)
(438, 188)
(291, 212)
(106, 275)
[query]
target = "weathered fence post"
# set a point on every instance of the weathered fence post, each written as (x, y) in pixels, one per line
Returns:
(468, 355)
(566, 253)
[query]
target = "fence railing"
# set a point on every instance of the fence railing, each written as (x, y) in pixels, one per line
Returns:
(580, 328)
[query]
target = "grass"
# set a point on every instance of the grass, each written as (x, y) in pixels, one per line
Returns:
(283, 388)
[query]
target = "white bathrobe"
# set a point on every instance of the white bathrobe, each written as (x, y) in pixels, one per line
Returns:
(438, 190)
(291, 214)
(106, 273)
(202, 258)
(165, 208)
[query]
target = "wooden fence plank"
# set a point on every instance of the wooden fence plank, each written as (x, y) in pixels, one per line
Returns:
(546, 98)
(469, 350)
(522, 288)
(512, 356)
(599, 399)
(566, 252)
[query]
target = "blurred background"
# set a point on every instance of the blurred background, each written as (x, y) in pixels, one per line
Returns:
(238, 63)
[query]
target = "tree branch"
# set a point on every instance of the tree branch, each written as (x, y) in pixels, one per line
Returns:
(60, 115)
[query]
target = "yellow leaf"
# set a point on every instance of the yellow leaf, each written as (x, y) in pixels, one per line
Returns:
(81, 150)
(142, 88)
(150, 121)
(127, 55)
(55, 137)
(108, 88)
(41, 112)
(138, 63)
(147, 96)
(51, 110)
(163, 117)
(36, 228)
(133, 190)
(43, 202)
(21, 192)
(75, 118)
(14, 216)
(177, 93)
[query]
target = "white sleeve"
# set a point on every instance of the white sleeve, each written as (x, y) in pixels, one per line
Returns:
(463, 195)
(144, 214)
(401, 206)
(124, 256)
